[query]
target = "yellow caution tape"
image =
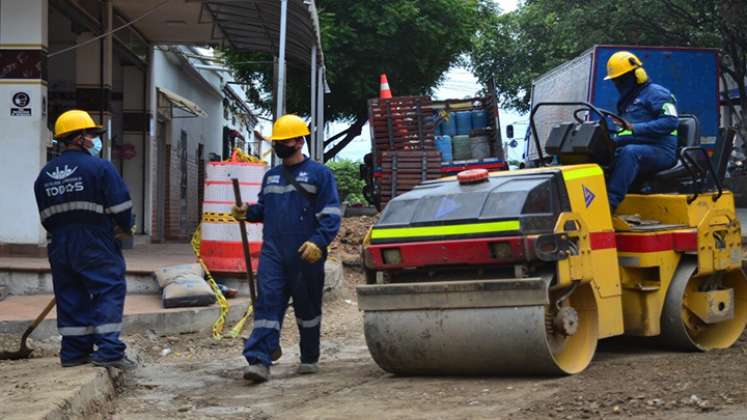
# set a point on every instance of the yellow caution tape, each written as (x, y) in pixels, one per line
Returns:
(221, 321)
(239, 327)
(219, 324)
(217, 217)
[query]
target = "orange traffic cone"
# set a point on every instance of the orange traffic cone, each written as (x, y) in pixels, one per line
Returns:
(384, 91)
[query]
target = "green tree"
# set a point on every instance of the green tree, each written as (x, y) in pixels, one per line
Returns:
(413, 41)
(349, 184)
(542, 34)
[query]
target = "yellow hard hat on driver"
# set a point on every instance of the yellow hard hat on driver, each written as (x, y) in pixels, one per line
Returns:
(288, 127)
(621, 63)
(74, 120)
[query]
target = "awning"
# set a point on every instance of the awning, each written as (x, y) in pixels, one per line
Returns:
(167, 100)
(235, 134)
(242, 25)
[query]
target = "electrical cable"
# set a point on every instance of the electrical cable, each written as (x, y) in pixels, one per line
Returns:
(119, 28)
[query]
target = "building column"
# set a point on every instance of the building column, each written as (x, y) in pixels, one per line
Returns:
(23, 117)
(135, 121)
(93, 89)
(93, 73)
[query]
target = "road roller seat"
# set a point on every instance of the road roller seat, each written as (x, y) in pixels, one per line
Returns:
(674, 179)
(688, 134)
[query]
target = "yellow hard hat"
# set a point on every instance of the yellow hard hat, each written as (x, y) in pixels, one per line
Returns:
(621, 63)
(72, 121)
(289, 126)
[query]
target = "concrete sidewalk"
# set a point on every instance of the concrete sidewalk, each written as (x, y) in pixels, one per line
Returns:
(141, 313)
(144, 258)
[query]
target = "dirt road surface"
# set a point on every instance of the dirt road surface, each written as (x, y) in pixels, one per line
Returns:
(629, 378)
(194, 376)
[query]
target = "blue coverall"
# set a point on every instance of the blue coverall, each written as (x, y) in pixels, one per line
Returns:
(80, 199)
(652, 144)
(290, 219)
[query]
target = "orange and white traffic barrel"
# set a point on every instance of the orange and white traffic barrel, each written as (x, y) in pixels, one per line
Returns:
(220, 244)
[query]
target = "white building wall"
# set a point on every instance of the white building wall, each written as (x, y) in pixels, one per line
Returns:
(23, 139)
(171, 73)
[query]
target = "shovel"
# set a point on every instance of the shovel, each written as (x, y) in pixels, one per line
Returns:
(24, 352)
(248, 258)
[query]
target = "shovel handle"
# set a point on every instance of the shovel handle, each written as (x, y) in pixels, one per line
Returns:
(39, 319)
(245, 243)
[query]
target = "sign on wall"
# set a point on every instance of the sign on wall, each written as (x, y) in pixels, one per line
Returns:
(21, 105)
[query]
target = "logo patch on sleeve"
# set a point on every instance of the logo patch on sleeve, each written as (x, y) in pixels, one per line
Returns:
(669, 109)
(588, 196)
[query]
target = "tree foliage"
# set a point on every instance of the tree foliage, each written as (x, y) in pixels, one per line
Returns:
(545, 33)
(349, 184)
(413, 41)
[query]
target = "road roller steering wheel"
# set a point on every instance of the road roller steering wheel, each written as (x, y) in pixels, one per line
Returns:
(619, 121)
(581, 106)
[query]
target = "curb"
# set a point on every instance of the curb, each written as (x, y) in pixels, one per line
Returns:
(171, 322)
(52, 392)
(93, 400)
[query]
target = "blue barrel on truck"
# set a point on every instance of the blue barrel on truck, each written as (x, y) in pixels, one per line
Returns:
(691, 74)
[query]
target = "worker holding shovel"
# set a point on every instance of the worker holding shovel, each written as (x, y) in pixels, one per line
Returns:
(300, 209)
(84, 204)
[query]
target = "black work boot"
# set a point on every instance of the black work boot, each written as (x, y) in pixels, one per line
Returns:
(77, 362)
(122, 364)
(257, 373)
(307, 368)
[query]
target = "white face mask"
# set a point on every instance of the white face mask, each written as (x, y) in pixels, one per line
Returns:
(97, 145)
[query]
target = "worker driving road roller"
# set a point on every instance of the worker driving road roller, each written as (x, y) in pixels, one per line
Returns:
(522, 272)
(648, 142)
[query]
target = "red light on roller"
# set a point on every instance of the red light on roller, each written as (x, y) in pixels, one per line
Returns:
(472, 176)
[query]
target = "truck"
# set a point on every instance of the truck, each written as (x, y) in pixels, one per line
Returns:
(416, 139)
(691, 74)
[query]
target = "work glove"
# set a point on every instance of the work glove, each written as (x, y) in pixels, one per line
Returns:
(310, 252)
(121, 235)
(239, 213)
(624, 124)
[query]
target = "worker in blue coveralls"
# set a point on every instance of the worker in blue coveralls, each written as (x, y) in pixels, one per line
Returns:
(300, 209)
(84, 203)
(648, 141)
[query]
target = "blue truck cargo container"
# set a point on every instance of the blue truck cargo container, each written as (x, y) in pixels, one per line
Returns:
(691, 74)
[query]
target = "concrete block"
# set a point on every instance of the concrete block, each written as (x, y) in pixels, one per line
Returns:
(333, 275)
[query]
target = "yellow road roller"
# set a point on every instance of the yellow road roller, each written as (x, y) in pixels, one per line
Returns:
(522, 272)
